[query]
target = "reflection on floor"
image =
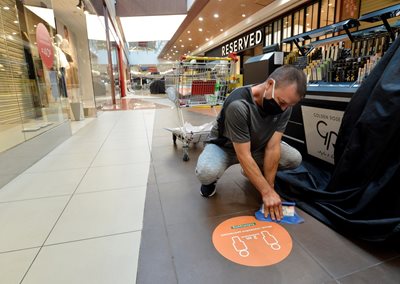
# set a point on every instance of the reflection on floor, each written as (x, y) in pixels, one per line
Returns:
(132, 104)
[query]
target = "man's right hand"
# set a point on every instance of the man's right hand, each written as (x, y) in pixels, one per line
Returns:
(272, 205)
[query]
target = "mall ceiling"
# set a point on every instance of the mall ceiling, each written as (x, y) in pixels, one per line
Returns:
(206, 20)
(193, 32)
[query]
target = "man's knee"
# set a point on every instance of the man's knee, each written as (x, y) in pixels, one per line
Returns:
(211, 164)
(290, 157)
(206, 174)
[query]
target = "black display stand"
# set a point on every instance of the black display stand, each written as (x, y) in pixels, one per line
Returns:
(257, 68)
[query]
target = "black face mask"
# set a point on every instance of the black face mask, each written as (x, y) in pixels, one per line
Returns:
(270, 106)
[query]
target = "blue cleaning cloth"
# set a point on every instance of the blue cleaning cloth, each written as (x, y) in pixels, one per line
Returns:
(295, 219)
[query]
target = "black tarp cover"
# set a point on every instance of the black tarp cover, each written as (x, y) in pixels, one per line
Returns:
(361, 196)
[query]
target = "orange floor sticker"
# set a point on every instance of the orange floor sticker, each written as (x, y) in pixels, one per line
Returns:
(247, 241)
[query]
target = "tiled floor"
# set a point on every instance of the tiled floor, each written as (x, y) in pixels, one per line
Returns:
(115, 203)
(178, 224)
(76, 215)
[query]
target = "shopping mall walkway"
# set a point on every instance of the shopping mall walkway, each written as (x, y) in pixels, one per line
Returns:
(76, 216)
(116, 204)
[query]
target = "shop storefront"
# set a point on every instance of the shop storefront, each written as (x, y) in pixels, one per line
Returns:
(108, 61)
(305, 18)
(31, 100)
(336, 53)
(49, 76)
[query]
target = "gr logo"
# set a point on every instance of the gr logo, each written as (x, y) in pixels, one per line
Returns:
(325, 133)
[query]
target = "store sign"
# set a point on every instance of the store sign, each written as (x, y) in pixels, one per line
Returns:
(247, 41)
(44, 45)
(321, 127)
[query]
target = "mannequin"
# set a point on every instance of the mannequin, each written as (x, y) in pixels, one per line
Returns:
(61, 64)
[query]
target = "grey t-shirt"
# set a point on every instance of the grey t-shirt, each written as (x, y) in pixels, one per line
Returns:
(245, 121)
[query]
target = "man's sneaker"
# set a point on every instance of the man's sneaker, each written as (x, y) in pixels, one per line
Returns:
(208, 190)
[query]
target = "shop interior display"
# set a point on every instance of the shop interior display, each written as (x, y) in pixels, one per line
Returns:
(349, 76)
(347, 57)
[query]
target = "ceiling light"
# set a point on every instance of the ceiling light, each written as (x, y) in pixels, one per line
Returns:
(330, 4)
(174, 46)
(182, 45)
(15, 22)
(221, 30)
(201, 19)
(200, 29)
(190, 38)
(197, 46)
(6, 8)
(207, 39)
(244, 15)
(216, 16)
(180, 40)
(188, 32)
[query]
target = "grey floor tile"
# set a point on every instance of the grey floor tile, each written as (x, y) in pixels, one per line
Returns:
(128, 131)
(155, 260)
(105, 260)
(197, 261)
(173, 169)
(385, 273)
(163, 141)
(154, 249)
(152, 176)
(153, 215)
(100, 214)
(13, 265)
(6, 178)
(121, 157)
(62, 162)
(182, 202)
(37, 185)
(125, 144)
(114, 177)
(175, 152)
(338, 254)
(77, 147)
(26, 224)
